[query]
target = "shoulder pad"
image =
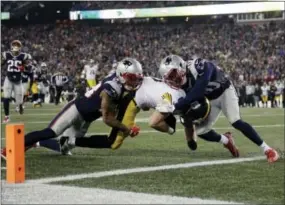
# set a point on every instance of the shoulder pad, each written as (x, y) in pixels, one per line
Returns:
(113, 88)
(199, 65)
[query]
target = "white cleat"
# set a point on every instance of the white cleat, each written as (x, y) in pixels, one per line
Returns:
(6, 119)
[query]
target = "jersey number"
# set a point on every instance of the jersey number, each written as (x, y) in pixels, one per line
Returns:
(89, 93)
(13, 65)
(212, 86)
(92, 72)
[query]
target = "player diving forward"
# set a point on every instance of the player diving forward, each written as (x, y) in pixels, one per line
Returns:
(200, 78)
(74, 119)
(16, 63)
(152, 94)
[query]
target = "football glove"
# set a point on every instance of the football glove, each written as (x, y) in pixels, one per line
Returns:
(134, 131)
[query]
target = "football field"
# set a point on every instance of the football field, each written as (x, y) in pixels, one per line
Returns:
(153, 167)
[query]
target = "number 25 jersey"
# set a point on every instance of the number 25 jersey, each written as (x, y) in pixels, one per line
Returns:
(14, 63)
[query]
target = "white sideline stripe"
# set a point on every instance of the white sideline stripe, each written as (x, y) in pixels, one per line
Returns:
(180, 130)
(59, 194)
(142, 169)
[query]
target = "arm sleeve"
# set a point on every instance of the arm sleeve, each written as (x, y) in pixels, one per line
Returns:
(110, 90)
(198, 90)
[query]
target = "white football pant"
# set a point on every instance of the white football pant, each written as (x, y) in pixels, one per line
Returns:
(226, 103)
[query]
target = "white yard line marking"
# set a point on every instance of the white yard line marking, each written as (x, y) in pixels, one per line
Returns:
(3, 168)
(142, 169)
(58, 194)
(180, 130)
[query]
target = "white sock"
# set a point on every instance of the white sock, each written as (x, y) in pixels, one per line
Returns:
(264, 147)
(224, 139)
(170, 131)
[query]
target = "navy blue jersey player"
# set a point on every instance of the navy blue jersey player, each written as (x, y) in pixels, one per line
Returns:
(201, 78)
(102, 101)
(16, 61)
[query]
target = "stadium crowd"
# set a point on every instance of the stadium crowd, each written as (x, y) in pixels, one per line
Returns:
(248, 53)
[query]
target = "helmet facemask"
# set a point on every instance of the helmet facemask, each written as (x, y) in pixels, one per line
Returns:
(131, 81)
(175, 78)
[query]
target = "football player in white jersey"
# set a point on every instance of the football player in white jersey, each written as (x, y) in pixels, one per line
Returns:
(201, 78)
(264, 94)
(279, 93)
(89, 73)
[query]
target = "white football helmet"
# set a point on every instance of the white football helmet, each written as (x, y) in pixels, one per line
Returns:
(16, 46)
(173, 71)
(130, 74)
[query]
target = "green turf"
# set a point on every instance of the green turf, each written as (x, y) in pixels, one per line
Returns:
(252, 182)
(151, 149)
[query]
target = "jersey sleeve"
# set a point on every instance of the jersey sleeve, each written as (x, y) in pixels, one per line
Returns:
(112, 89)
(196, 67)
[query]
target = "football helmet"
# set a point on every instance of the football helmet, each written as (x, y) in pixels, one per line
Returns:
(173, 71)
(129, 72)
(16, 46)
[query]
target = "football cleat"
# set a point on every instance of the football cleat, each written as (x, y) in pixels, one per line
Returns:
(3, 153)
(231, 145)
(192, 144)
(64, 147)
(6, 119)
(21, 109)
(272, 155)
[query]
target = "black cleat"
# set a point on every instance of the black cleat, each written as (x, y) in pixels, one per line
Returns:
(192, 144)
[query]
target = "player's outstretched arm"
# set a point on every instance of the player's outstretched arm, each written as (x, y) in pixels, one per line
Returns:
(157, 122)
(190, 134)
(109, 114)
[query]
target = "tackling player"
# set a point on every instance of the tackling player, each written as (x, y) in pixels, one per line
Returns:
(200, 79)
(16, 63)
(152, 94)
(74, 119)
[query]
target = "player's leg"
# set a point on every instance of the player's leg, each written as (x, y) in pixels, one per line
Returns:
(19, 96)
(231, 110)
(127, 113)
(35, 92)
(7, 91)
(25, 87)
(63, 120)
(91, 83)
(58, 94)
(205, 129)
